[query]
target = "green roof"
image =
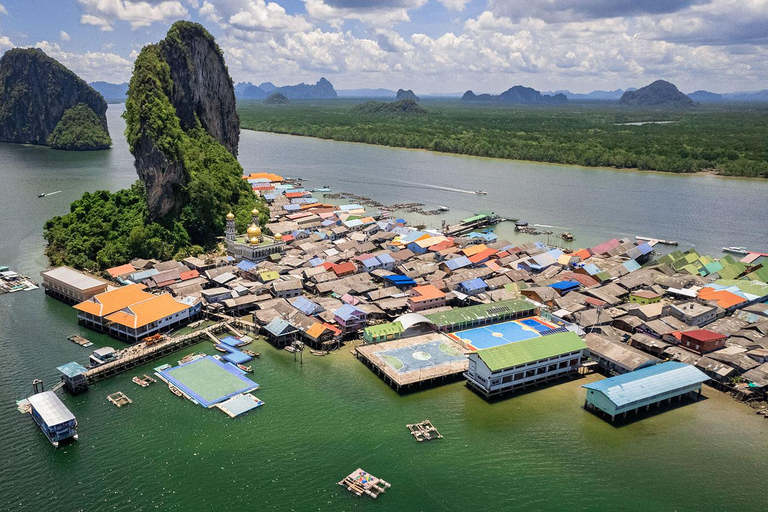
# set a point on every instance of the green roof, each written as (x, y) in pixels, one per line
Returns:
(534, 349)
(732, 271)
(377, 331)
(751, 287)
(480, 312)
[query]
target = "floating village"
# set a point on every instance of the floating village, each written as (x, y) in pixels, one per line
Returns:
(420, 307)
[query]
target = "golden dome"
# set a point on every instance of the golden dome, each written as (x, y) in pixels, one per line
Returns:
(278, 236)
(254, 241)
(255, 212)
(253, 230)
(230, 216)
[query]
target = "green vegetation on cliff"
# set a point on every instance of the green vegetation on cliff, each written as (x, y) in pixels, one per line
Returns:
(727, 138)
(80, 130)
(189, 180)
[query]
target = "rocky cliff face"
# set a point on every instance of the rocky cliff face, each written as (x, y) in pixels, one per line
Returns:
(181, 84)
(518, 95)
(35, 91)
(402, 94)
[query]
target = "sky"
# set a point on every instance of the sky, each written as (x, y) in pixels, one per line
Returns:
(430, 46)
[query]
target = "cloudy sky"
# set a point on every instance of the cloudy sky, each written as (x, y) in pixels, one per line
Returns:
(427, 45)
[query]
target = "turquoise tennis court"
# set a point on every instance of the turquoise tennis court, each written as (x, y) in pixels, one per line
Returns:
(501, 334)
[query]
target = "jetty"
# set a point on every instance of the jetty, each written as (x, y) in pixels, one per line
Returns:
(11, 281)
(143, 381)
(139, 354)
(361, 482)
(481, 220)
(83, 342)
(424, 431)
(119, 399)
(654, 241)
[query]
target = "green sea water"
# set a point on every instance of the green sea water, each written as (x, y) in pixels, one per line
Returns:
(330, 415)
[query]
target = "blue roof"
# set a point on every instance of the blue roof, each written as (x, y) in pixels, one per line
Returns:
(236, 357)
(371, 262)
(456, 263)
(648, 382)
(565, 285)
(411, 237)
(291, 207)
(316, 261)
(399, 280)
(305, 305)
(246, 265)
(347, 311)
(474, 284)
(278, 325)
(385, 258)
(270, 197)
(230, 341)
(72, 369)
(144, 274)
(645, 248)
(631, 265)
(592, 269)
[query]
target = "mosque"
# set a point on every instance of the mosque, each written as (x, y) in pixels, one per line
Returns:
(253, 245)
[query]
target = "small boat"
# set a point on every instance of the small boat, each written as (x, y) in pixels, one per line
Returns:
(220, 348)
(290, 348)
(176, 391)
(566, 236)
(443, 209)
(41, 194)
(481, 192)
(736, 250)
(246, 369)
(250, 353)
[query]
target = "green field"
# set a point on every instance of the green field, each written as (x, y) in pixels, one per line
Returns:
(730, 139)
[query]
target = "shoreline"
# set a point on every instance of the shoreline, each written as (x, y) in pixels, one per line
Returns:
(703, 173)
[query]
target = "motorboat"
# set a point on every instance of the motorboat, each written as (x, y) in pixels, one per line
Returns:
(443, 209)
(736, 250)
(481, 192)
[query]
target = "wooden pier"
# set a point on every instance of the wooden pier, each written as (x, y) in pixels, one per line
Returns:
(139, 354)
(361, 482)
(83, 342)
(424, 431)
(143, 381)
(119, 399)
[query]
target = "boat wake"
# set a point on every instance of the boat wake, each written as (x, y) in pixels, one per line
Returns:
(410, 185)
(548, 226)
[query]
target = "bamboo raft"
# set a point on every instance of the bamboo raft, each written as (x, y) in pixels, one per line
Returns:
(119, 399)
(144, 381)
(83, 342)
(361, 482)
(424, 431)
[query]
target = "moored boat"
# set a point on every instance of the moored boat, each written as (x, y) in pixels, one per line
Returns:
(736, 250)
(443, 209)
(246, 369)
(481, 192)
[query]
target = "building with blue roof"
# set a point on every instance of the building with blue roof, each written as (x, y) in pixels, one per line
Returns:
(455, 264)
(246, 265)
(387, 262)
(473, 286)
(642, 388)
(400, 281)
(350, 318)
(307, 306)
(280, 332)
(564, 287)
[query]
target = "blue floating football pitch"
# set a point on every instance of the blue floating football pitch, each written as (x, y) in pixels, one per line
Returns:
(504, 333)
(208, 380)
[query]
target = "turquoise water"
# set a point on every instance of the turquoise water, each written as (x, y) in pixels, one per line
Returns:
(330, 415)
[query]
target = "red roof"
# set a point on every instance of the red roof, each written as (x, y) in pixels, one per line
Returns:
(293, 195)
(288, 238)
(188, 274)
(482, 255)
(703, 335)
(121, 270)
(445, 244)
(595, 302)
(343, 268)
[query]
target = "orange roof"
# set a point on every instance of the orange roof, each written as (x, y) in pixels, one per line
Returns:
(723, 298)
(188, 274)
(482, 255)
(582, 254)
(425, 292)
(106, 303)
(474, 249)
(344, 268)
(316, 330)
(260, 175)
(293, 195)
(493, 265)
(148, 311)
(121, 270)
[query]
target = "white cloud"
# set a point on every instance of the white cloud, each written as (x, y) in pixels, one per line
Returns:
(455, 5)
(371, 12)
(3, 10)
(142, 13)
(258, 15)
(90, 66)
(64, 36)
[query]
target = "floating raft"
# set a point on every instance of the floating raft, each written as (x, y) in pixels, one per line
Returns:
(424, 431)
(144, 381)
(239, 405)
(119, 399)
(83, 342)
(361, 482)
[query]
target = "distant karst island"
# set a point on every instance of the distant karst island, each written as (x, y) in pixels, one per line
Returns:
(44, 103)
(517, 95)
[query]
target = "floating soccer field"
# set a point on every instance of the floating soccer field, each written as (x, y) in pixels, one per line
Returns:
(209, 381)
(501, 334)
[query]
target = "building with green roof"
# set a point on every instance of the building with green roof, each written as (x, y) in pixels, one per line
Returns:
(506, 368)
(482, 314)
(383, 332)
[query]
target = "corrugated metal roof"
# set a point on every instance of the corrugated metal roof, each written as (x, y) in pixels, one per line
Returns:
(50, 408)
(534, 349)
(648, 382)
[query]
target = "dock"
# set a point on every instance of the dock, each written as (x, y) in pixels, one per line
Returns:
(140, 354)
(654, 241)
(478, 221)
(361, 482)
(143, 381)
(424, 431)
(119, 399)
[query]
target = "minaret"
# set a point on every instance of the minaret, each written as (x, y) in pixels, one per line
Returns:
(230, 232)
(255, 216)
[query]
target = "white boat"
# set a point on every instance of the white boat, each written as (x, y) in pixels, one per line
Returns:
(443, 209)
(481, 192)
(736, 250)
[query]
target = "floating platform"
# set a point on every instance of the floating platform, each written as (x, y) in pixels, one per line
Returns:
(119, 399)
(208, 381)
(424, 431)
(654, 241)
(83, 342)
(361, 482)
(143, 381)
(239, 405)
(418, 360)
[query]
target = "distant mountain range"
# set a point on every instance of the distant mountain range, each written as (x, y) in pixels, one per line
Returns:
(112, 93)
(323, 89)
(517, 95)
(657, 94)
(366, 93)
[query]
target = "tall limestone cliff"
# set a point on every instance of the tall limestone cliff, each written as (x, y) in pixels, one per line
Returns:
(179, 112)
(35, 93)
